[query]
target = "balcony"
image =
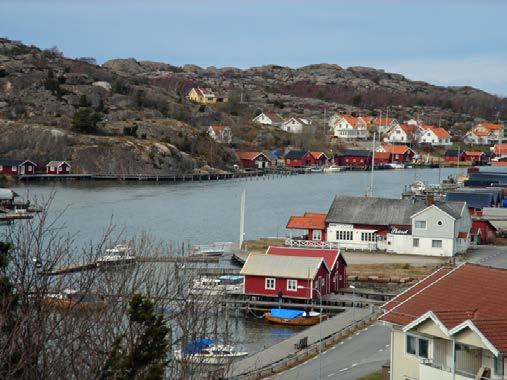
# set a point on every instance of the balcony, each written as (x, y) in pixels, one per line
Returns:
(434, 371)
(301, 243)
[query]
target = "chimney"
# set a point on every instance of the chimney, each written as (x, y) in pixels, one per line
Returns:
(430, 199)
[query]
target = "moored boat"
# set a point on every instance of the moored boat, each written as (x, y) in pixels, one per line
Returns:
(118, 255)
(205, 351)
(316, 169)
(215, 249)
(332, 169)
(293, 317)
(73, 299)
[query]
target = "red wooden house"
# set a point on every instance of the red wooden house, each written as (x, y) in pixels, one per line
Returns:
(399, 153)
(382, 158)
(475, 157)
(315, 159)
(58, 167)
(16, 167)
(454, 155)
(295, 158)
(314, 223)
(484, 230)
(290, 277)
(334, 261)
(253, 160)
(354, 158)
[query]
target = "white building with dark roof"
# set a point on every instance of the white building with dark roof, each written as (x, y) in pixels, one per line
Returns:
(404, 226)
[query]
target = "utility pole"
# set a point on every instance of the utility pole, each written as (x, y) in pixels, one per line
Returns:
(372, 165)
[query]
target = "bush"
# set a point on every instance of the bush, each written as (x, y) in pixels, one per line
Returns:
(130, 131)
(85, 120)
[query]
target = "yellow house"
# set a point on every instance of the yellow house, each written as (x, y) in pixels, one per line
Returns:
(450, 326)
(205, 96)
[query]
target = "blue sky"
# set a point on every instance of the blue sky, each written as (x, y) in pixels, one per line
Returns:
(448, 42)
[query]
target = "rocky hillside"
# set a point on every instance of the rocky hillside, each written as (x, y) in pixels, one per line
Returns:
(144, 123)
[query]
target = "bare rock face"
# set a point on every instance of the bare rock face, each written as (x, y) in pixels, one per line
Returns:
(125, 67)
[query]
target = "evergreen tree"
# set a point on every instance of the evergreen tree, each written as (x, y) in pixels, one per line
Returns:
(144, 357)
(85, 120)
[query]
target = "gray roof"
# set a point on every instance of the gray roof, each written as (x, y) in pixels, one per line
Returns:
(382, 211)
(281, 266)
(477, 200)
(56, 163)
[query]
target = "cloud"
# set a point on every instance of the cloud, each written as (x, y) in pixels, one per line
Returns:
(488, 73)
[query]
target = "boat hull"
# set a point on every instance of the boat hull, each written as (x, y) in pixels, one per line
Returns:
(208, 359)
(298, 321)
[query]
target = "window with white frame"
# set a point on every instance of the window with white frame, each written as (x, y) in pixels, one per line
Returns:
(317, 235)
(367, 236)
(292, 285)
(417, 346)
(344, 235)
(436, 243)
(420, 224)
(270, 283)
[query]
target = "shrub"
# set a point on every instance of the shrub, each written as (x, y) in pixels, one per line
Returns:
(85, 120)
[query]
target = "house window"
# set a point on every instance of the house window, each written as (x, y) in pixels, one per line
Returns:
(420, 224)
(292, 285)
(270, 283)
(14, 168)
(436, 243)
(417, 346)
(367, 236)
(415, 242)
(344, 235)
(317, 235)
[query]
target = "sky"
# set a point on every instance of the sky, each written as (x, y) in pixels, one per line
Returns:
(445, 42)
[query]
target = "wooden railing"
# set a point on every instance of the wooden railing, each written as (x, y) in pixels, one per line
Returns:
(311, 244)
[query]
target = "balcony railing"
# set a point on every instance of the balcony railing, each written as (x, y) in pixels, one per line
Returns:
(291, 242)
(443, 372)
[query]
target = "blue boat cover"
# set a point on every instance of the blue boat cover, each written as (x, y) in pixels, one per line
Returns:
(196, 346)
(286, 313)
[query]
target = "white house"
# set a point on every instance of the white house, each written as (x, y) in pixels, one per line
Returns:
(401, 133)
(295, 125)
(384, 124)
(434, 136)
(220, 133)
(268, 118)
(484, 134)
(403, 226)
(350, 127)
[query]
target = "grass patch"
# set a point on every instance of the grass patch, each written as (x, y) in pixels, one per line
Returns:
(261, 244)
(389, 270)
(377, 375)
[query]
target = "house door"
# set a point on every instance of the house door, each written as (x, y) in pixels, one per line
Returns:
(22, 170)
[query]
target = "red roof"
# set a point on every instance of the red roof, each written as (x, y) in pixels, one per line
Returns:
(382, 156)
(317, 155)
(474, 154)
(491, 126)
(409, 129)
(308, 221)
(395, 149)
(248, 155)
(441, 133)
(469, 293)
(352, 120)
(330, 256)
(217, 128)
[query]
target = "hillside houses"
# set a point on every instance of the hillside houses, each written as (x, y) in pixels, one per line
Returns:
(205, 96)
(484, 134)
(384, 124)
(434, 136)
(268, 118)
(349, 127)
(398, 153)
(402, 134)
(295, 125)
(220, 133)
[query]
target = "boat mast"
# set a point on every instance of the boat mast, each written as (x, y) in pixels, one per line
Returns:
(372, 165)
(242, 219)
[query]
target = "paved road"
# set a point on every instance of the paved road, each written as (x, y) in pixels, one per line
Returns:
(359, 355)
(495, 256)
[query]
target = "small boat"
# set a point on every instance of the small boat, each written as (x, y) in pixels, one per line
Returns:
(205, 351)
(72, 299)
(394, 165)
(316, 169)
(215, 249)
(332, 169)
(293, 317)
(417, 187)
(226, 283)
(118, 256)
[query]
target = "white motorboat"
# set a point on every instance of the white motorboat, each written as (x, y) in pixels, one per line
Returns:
(215, 249)
(394, 165)
(417, 187)
(120, 254)
(223, 284)
(205, 351)
(332, 169)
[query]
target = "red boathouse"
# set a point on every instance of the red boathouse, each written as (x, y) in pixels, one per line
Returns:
(58, 167)
(16, 167)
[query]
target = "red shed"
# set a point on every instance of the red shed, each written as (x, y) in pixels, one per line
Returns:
(486, 231)
(382, 158)
(292, 277)
(399, 153)
(295, 158)
(475, 157)
(335, 263)
(58, 167)
(313, 222)
(16, 167)
(454, 155)
(354, 158)
(315, 158)
(257, 160)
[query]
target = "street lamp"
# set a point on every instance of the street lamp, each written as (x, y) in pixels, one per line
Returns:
(353, 303)
(320, 326)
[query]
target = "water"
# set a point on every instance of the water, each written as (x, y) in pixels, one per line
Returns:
(200, 213)
(204, 212)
